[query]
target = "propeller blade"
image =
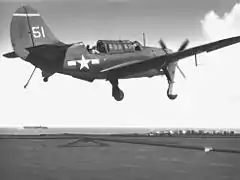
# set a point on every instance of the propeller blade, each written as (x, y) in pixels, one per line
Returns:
(181, 72)
(162, 44)
(184, 45)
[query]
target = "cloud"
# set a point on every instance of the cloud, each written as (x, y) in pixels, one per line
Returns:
(225, 62)
(215, 87)
(215, 27)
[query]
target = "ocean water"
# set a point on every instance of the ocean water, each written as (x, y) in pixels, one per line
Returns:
(89, 130)
(21, 131)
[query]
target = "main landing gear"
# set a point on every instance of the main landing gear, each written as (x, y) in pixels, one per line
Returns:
(170, 92)
(117, 93)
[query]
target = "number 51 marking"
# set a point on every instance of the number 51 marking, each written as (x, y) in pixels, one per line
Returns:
(38, 32)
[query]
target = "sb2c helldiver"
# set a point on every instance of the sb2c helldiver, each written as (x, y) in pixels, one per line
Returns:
(33, 41)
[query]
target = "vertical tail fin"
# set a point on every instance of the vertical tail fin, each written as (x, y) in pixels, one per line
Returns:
(28, 29)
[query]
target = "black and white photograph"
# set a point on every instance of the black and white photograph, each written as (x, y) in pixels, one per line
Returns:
(119, 89)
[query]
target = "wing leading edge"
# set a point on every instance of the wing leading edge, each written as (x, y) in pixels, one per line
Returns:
(159, 61)
(204, 48)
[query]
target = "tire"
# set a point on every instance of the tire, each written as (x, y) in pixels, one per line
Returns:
(117, 93)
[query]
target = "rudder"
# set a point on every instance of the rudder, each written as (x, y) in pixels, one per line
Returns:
(28, 29)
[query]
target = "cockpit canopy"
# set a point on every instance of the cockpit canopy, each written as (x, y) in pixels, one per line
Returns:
(118, 46)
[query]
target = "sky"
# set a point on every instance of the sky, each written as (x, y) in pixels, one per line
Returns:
(208, 98)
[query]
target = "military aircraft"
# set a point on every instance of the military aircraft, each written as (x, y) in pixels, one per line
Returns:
(111, 60)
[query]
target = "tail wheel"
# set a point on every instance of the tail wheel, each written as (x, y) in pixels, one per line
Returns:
(117, 93)
(45, 79)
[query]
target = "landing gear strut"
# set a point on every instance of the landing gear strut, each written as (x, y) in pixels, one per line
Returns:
(170, 85)
(117, 93)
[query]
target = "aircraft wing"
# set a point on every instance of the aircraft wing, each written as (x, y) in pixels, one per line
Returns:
(204, 48)
(157, 62)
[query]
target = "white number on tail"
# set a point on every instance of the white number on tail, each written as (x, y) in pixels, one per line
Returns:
(38, 32)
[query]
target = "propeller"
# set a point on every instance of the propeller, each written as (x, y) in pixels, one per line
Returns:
(181, 72)
(181, 48)
(162, 44)
(184, 45)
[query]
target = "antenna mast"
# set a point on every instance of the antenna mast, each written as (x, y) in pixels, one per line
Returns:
(144, 39)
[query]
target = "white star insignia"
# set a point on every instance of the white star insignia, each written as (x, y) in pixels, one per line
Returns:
(84, 62)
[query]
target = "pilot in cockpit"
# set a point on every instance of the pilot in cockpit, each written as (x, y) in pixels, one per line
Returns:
(88, 48)
(94, 50)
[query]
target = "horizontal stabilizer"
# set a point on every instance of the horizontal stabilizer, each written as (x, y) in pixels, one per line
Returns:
(11, 55)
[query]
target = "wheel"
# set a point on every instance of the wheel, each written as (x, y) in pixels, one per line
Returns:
(117, 93)
(45, 79)
(171, 96)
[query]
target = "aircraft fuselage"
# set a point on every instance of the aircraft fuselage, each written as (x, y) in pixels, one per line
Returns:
(81, 64)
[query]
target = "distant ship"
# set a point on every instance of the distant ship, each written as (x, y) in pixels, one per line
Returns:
(35, 127)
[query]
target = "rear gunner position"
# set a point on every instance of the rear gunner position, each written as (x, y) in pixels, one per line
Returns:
(33, 41)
